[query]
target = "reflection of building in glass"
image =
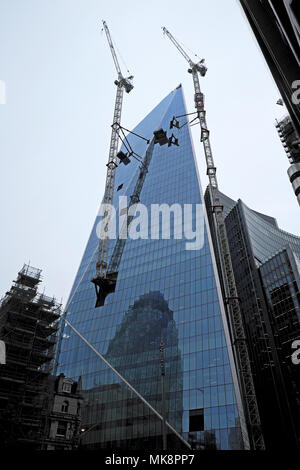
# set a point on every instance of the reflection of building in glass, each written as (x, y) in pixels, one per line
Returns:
(137, 341)
(134, 351)
(266, 266)
(162, 291)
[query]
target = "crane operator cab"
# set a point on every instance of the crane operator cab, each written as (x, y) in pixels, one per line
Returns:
(126, 83)
(199, 67)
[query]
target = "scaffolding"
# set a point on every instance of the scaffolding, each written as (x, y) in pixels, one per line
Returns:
(29, 322)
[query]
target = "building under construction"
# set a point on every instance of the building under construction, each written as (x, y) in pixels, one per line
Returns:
(199, 399)
(28, 327)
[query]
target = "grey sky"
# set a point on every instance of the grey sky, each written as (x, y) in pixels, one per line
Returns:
(55, 127)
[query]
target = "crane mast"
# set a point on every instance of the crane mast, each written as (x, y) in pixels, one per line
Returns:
(122, 84)
(232, 300)
(107, 284)
(134, 199)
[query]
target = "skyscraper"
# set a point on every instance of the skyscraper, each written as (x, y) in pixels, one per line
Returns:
(280, 277)
(165, 293)
(276, 25)
(266, 267)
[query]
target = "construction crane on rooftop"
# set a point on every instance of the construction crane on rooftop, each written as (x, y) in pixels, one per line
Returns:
(106, 282)
(122, 83)
(234, 314)
(107, 270)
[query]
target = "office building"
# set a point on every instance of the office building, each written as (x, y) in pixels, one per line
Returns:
(276, 26)
(266, 267)
(167, 295)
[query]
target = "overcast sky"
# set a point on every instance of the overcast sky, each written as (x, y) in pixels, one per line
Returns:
(55, 125)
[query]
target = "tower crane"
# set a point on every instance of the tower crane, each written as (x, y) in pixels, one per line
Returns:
(122, 84)
(107, 271)
(234, 314)
(105, 282)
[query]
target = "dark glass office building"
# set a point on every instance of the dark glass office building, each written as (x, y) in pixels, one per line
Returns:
(280, 277)
(164, 292)
(266, 267)
(276, 25)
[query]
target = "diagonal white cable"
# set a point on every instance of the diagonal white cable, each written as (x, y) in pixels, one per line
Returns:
(128, 384)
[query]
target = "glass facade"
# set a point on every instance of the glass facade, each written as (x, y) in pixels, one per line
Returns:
(276, 27)
(280, 277)
(265, 260)
(163, 292)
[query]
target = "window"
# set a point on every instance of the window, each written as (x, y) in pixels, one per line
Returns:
(65, 407)
(61, 429)
(67, 386)
(196, 420)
